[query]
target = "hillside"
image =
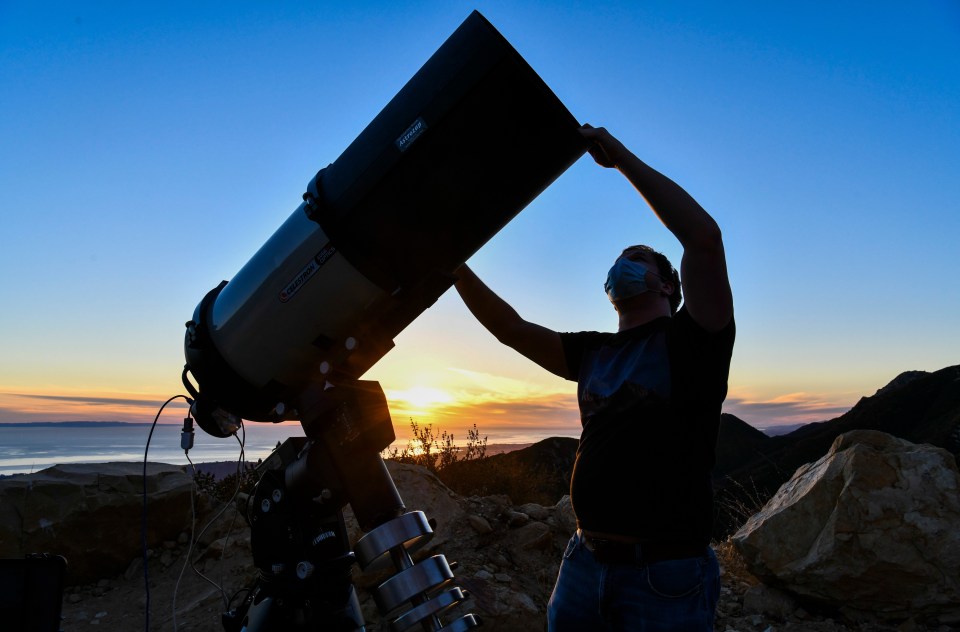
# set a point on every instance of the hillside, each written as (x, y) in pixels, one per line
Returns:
(919, 406)
(539, 473)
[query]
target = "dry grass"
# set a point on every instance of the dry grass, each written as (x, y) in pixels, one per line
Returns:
(733, 567)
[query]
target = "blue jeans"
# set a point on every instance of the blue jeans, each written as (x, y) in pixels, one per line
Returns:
(670, 596)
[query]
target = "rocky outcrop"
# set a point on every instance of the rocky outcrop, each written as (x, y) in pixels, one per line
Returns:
(91, 514)
(873, 527)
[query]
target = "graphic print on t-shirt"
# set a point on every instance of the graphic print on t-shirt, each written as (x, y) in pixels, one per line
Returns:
(618, 376)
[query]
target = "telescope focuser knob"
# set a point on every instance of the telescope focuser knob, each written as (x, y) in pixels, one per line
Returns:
(305, 570)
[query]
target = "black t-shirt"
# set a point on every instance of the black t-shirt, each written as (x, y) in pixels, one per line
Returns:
(650, 400)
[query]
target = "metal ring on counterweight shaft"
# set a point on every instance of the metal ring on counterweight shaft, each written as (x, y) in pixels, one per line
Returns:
(411, 531)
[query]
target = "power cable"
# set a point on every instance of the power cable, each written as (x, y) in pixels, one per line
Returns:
(143, 521)
(226, 504)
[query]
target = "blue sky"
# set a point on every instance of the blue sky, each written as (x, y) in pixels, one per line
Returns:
(147, 151)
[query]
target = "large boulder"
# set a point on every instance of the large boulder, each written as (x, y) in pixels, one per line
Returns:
(872, 527)
(421, 490)
(91, 514)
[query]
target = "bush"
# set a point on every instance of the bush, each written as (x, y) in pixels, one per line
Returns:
(435, 454)
(469, 472)
(734, 503)
(225, 489)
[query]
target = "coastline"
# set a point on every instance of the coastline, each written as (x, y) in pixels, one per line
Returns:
(220, 468)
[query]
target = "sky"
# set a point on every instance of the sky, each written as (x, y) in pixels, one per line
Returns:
(148, 150)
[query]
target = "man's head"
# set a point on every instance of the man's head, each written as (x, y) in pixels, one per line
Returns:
(661, 266)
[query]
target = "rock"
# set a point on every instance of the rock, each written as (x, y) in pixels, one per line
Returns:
(566, 520)
(535, 511)
(516, 518)
(419, 489)
(533, 535)
(135, 569)
(479, 524)
(872, 527)
(91, 514)
(216, 548)
(761, 599)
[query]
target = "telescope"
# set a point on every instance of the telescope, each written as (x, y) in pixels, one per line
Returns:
(467, 143)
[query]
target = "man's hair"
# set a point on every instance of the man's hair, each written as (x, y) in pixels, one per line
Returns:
(666, 270)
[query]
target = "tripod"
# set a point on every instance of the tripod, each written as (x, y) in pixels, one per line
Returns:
(300, 543)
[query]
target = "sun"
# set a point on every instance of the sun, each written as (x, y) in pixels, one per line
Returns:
(422, 396)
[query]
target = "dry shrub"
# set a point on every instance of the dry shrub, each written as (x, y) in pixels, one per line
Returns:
(733, 566)
(438, 453)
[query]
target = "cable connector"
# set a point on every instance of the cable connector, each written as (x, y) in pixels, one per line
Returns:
(186, 435)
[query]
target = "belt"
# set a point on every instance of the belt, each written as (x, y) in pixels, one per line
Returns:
(639, 553)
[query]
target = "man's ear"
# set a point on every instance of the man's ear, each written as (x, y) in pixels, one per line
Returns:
(667, 287)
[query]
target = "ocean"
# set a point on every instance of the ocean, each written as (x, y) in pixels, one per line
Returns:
(26, 448)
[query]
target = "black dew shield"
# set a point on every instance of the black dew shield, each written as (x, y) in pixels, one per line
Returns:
(464, 146)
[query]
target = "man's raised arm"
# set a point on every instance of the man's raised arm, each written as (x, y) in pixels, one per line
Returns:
(703, 269)
(537, 343)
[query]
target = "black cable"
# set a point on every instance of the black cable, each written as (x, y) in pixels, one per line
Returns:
(143, 522)
(231, 502)
(233, 597)
(193, 524)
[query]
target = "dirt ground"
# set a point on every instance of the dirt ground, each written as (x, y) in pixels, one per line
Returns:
(181, 596)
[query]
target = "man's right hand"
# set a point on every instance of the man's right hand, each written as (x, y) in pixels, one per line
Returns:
(606, 150)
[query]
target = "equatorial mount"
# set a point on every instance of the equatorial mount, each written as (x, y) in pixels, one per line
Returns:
(299, 538)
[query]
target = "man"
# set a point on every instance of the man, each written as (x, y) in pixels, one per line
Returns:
(650, 398)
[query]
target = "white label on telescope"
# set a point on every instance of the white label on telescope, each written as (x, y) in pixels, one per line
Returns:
(307, 272)
(413, 132)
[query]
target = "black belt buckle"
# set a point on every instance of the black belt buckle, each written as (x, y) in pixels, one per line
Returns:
(640, 554)
(613, 552)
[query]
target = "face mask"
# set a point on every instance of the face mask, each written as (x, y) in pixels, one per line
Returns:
(626, 278)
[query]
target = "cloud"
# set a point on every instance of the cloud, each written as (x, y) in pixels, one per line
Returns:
(521, 418)
(500, 386)
(27, 407)
(98, 401)
(791, 408)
